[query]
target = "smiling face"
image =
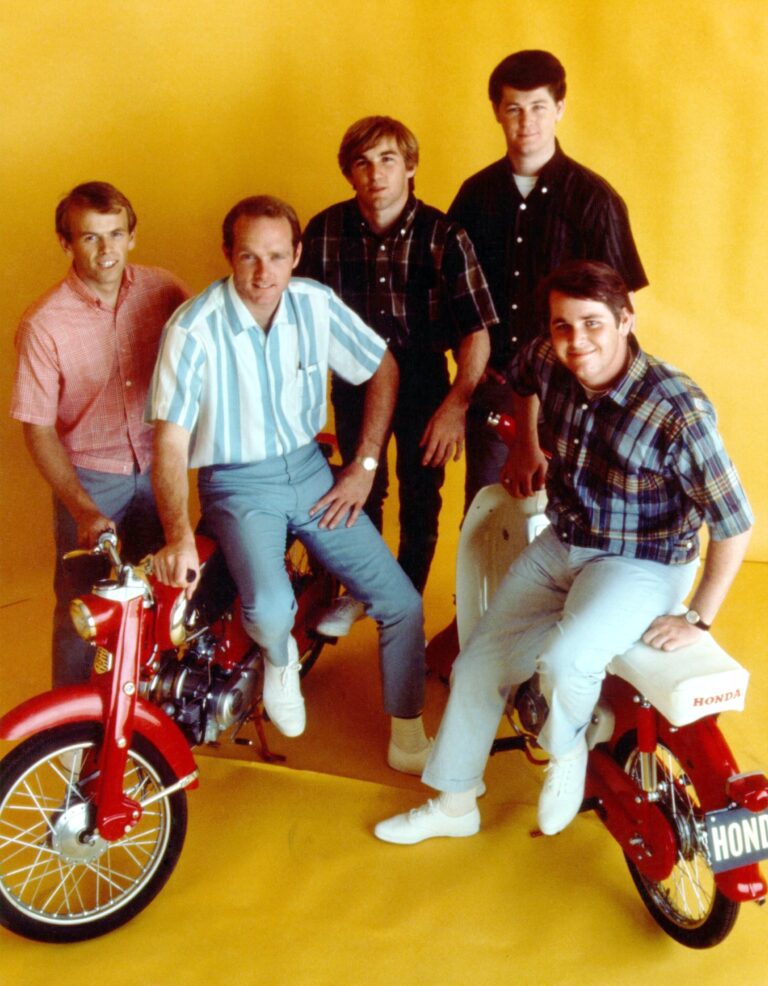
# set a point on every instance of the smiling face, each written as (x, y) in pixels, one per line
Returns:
(588, 340)
(528, 118)
(99, 243)
(262, 260)
(380, 178)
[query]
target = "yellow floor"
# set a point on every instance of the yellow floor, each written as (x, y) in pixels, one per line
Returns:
(281, 882)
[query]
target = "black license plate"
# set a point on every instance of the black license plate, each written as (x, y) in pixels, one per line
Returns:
(736, 837)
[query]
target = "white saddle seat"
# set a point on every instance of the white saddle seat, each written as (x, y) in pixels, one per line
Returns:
(684, 685)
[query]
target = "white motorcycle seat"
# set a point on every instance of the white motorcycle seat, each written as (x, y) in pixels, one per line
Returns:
(684, 685)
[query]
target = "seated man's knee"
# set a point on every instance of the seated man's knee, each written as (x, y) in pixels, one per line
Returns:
(268, 624)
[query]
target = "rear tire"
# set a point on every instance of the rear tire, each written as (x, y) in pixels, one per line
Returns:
(58, 881)
(687, 905)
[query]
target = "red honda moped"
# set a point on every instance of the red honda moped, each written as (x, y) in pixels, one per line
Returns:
(93, 801)
(660, 776)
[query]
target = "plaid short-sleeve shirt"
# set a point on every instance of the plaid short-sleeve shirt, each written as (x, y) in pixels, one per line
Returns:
(638, 470)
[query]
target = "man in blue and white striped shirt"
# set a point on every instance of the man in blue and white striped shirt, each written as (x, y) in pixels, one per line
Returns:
(239, 392)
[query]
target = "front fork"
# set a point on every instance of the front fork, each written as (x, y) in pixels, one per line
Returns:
(116, 813)
(646, 745)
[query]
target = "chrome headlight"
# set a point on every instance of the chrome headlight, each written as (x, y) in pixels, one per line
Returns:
(81, 616)
(177, 629)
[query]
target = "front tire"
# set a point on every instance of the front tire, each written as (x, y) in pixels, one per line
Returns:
(59, 882)
(688, 904)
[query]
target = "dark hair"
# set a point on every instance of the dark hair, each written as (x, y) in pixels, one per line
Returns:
(585, 279)
(527, 70)
(369, 131)
(255, 207)
(97, 195)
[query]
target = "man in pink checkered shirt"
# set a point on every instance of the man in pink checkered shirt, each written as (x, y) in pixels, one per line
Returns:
(86, 351)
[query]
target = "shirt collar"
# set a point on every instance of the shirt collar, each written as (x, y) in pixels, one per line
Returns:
(81, 289)
(239, 317)
(550, 173)
(398, 228)
(623, 389)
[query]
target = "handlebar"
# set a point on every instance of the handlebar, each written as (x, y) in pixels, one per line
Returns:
(504, 425)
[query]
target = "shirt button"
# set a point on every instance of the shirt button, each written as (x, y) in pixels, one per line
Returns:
(517, 273)
(514, 308)
(514, 338)
(382, 312)
(523, 206)
(544, 190)
(128, 383)
(382, 247)
(585, 407)
(575, 441)
(519, 239)
(402, 232)
(382, 280)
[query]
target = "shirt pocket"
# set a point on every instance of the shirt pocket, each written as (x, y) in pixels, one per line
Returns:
(310, 389)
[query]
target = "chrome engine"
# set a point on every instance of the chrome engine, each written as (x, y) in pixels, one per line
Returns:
(202, 697)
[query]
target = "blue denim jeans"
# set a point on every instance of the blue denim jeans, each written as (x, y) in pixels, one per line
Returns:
(251, 508)
(129, 502)
(564, 612)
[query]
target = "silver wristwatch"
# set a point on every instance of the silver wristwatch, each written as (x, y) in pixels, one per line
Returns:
(367, 462)
(695, 620)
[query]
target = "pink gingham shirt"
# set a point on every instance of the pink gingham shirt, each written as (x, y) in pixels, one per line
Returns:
(86, 368)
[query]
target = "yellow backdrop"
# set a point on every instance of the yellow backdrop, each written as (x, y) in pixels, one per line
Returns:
(187, 106)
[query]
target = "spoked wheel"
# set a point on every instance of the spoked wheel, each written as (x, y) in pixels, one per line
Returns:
(687, 904)
(315, 589)
(59, 881)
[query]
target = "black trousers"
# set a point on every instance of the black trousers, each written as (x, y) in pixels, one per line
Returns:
(423, 386)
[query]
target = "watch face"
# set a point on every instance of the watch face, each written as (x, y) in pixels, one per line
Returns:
(368, 463)
(692, 616)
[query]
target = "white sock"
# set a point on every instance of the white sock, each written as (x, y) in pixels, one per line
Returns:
(455, 803)
(408, 734)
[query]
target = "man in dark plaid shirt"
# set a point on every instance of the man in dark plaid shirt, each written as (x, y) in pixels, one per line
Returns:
(637, 467)
(413, 276)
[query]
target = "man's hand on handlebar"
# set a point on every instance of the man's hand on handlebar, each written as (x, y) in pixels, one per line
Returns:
(90, 524)
(178, 564)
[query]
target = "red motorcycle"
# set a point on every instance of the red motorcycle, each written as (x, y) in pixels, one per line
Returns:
(661, 776)
(93, 801)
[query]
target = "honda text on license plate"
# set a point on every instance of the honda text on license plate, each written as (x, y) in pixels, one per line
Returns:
(736, 837)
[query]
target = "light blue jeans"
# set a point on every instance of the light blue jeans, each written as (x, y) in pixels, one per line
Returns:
(564, 612)
(250, 509)
(130, 503)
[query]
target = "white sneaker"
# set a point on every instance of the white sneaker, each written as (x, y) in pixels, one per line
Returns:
(408, 763)
(427, 822)
(283, 701)
(337, 620)
(563, 790)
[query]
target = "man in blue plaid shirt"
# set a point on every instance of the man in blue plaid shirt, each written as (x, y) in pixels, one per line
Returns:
(637, 467)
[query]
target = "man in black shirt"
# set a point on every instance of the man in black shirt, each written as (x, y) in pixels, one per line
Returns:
(526, 215)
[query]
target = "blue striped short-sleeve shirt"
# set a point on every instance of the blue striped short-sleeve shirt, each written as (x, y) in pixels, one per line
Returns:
(246, 395)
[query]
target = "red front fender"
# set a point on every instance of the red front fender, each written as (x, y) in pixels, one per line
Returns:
(85, 703)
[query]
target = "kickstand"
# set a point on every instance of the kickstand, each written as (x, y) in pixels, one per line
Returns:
(257, 718)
